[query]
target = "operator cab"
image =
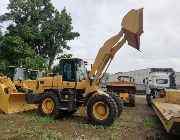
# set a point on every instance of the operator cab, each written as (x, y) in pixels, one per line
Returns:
(16, 73)
(73, 70)
(35, 74)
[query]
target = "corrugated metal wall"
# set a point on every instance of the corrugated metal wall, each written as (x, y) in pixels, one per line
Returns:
(140, 75)
(178, 80)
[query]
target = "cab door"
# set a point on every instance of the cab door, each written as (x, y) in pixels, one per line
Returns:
(68, 73)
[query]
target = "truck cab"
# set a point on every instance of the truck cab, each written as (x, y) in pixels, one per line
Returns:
(157, 81)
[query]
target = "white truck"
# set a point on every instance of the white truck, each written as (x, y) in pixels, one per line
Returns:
(158, 79)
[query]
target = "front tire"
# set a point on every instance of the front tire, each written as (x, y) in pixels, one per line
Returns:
(101, 110)
(49, 105)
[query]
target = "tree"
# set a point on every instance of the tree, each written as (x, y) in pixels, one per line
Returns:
(37, 29)
(57, 32)
(3, 62)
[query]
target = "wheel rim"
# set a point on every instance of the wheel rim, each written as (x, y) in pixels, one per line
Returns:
(100, 111)
(48, 105)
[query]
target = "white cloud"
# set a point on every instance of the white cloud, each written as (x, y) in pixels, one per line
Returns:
(3, 6)
(97, 20)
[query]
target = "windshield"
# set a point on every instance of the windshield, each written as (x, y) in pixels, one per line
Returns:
(124, 78)
(81, 71)
(40, 74)
(68, 71)
(19, 74)
(161, 81)
(33, 75)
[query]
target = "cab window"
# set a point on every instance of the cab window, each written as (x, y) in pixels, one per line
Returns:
(161, 81)
(68, 71)
(81, 72)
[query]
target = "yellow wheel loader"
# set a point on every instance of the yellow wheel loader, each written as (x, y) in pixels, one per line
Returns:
(12, 101)
(168, 110)
(18, 75)
(32, 76)
(24, 80)
(125, 88)
(74, 87)
(13, 91)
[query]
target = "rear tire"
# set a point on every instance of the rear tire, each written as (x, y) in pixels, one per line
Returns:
(132, 100)
(118, 101)
(149, 99)
(101, 110)
(49, 105)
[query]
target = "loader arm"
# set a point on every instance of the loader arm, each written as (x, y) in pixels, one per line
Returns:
(105, 56)
(132, 28)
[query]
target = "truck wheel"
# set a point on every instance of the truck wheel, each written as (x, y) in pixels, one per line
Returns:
(49, 105)
(118, 101)
(132, 100)
(148, 99)
(101, 110)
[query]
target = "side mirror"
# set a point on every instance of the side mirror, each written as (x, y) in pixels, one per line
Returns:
(91, 80)
(85, 62)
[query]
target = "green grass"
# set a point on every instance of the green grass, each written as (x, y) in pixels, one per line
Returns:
(51, 135)
(154, 126)
(112, 130)
(32, 126)
(37, 117)
(124, 118)
(74, 124)
(151, 122)
(39, 134)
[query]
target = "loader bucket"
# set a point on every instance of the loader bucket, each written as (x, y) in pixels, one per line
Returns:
(15, 103)
(168, 110)
(132, 26)
(11, 101)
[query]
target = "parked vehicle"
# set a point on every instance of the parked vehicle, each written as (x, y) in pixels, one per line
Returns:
(158, 79)
(125, 88)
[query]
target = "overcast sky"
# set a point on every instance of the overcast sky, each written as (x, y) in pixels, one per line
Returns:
(97, 20)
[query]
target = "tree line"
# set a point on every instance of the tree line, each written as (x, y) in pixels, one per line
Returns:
(36, 34)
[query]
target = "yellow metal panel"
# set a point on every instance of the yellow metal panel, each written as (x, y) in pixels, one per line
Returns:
(31, 84)
(172, 96)
(57, 81)
(67, 84)
(168, 110)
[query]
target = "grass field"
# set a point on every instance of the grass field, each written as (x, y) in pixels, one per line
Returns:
(135, 123)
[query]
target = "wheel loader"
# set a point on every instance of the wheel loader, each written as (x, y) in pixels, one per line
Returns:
(125, 88)
(24, 79)
(168, 110)
(12, 101)
(32, 76)
(13, 89)
(18, 75)
(74, 88)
